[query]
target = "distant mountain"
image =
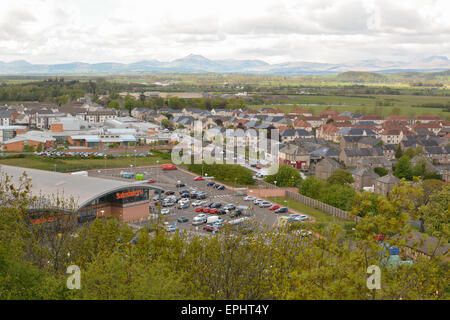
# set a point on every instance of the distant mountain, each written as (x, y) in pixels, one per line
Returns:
(198, 63)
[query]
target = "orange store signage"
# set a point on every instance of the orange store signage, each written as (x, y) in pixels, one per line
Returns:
(129, 194)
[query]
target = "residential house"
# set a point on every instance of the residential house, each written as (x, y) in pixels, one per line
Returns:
(364, 177)
(383, 185)
(325, 168)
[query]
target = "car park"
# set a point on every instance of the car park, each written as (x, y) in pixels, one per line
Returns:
(249, 198)
(281, 210)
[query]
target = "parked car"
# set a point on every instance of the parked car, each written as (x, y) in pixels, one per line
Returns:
(249, 198)
(220, 187)
(170, 228)
(165, 211)
(199, 209)
(221, 212)
(199, 219)
(216, 205)
(299, 217)
(170, 192)
(274, 207)
(281, 210)
(182, 219)
(199, 178)
(206, 209)
(180, 184)
(210, 184)
(183, 205)
(257, 201)
(235, 213)
(265, 204)
(197, 203)
(213, 210)
(211, 228)
(229, 206)
(150, 181)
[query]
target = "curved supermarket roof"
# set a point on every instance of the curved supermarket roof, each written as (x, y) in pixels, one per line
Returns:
(83, 189)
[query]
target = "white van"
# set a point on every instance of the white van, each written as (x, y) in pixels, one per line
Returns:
(212, 219)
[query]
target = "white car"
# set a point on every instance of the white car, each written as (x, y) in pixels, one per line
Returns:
(183, 200)
(249, 198)
(197, 203)
(165, 211)
(257, 201)
(299, 217)
(199, 219)
(265, 204)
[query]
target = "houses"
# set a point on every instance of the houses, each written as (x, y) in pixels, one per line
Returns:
(325, 168)
(393, 136)
(300, 124)
(292, 134)
(300, 113)
(350, 157)
(432, 126)
(383, 185)
(7, 117)
(437, 154)
(100, 116)
(364, 178)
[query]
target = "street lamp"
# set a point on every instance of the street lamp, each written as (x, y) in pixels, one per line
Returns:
(275, 191)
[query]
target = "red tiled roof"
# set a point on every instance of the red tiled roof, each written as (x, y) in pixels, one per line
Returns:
(301, 124)
(368, 117)
(428, 125)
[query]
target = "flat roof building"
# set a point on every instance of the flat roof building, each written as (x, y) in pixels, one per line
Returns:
(92, 196)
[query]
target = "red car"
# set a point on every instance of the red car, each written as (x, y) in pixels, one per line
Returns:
(379, 237)
(206, 210)
(150, 181)
(213, 210)
(168, 166)
(274, 207)
(199, 209)
(198, 178)
(258, 167)
(210, 228)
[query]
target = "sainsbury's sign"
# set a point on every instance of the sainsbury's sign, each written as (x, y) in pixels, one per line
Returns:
(129, 194)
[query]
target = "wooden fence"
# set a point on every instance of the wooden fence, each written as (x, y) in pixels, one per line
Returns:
(336, 212)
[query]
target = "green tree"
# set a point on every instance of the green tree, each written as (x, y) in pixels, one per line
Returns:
(398, 152)
(403, 168)
(380, 171)
(341, 177)
(286, 176)
(311, 187)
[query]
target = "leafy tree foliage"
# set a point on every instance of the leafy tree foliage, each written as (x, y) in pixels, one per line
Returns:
(341, 177)
(286, 176)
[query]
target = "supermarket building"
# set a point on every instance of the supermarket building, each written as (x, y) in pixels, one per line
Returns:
(94, 197)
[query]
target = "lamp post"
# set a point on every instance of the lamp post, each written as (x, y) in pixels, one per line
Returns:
(275, 191)
(105, 161)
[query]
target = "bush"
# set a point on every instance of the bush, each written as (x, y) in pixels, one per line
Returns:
(226, 173)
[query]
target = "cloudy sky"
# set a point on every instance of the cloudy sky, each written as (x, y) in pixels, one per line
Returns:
(58, 31)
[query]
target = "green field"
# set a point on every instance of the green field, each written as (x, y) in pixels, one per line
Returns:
(367, 104)
(68, 164)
